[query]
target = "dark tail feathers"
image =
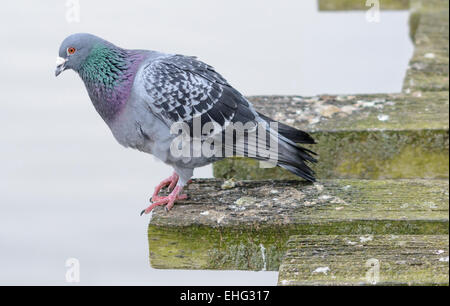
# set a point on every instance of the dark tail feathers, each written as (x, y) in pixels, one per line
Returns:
(290, 133)
(292, 157)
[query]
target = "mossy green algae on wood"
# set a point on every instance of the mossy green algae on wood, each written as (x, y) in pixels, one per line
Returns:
(348, 5)
(428, 69)
(366, 260)
(366, 136)
(246, 227)
(374, 136)
(360, 154)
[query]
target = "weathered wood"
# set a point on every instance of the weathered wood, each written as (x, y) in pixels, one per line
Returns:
(374, 136)
(428, 69)
(349, 5)
(402, 135)
(365, 136)
(366, 260)
(231, 226)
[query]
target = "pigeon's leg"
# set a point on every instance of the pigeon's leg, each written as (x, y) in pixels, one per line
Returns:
(171, 181)
(168, 200)
(183, 177)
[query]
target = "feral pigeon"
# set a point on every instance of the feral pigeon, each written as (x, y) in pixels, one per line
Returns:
(143, 94)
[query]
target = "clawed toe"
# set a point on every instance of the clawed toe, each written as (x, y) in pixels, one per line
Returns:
(169, 200)
(159, 202)
(159, 198)
(171, 181)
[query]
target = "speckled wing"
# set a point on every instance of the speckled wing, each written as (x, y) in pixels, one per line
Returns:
(181, 88)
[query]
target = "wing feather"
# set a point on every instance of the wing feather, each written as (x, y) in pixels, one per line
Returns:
(181, 88)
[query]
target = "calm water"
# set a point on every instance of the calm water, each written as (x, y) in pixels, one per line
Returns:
(67, 189)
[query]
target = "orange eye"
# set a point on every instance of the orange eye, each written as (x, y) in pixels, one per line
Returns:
(71, 50)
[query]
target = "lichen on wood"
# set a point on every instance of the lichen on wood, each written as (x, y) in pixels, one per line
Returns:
(428, 69)
(245, 225)
(366, 260)
(348, 5)
(383, 136)
(220, 228)
(365, 136)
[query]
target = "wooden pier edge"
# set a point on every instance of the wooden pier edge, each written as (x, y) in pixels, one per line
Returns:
(381, 136)
(366, 260)
(244, 225)
(324, 233)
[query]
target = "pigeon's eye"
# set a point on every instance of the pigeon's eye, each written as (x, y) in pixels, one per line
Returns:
(71, 50)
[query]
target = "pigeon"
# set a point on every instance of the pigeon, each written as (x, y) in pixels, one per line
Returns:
(142, 94)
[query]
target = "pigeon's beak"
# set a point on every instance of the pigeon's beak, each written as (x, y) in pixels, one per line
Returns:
(60, 65)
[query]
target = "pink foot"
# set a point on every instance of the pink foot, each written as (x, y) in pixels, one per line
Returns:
(169, 200)
(171, 181)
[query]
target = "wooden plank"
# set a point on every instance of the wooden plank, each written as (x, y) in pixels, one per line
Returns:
(428, 69)
(244, 225)
(364, 136)
(383, 136)
(351, 5)
(366, 260)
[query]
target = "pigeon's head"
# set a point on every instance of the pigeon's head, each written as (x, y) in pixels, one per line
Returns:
(74, 50)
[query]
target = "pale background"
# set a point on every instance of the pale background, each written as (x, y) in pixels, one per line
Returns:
(67, 189)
